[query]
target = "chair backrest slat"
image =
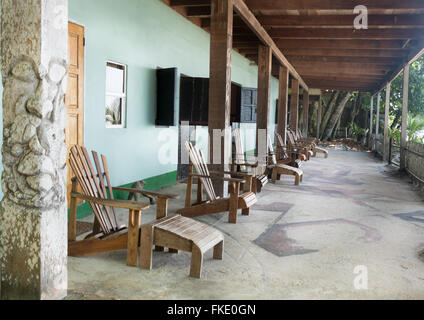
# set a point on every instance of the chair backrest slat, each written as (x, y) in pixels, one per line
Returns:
(272, 155)
(93, 185)
(100, 193)
(78, 168)
(291, 139)
(199, 164)
(101, 175)
(282, 146)
(240, 157)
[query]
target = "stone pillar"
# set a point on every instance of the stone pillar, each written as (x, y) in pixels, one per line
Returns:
(220, 88)
(283, 98)
(305, 113)
(294, 105)
(404, 117)
(386, 124)
(264, 98)
(33, 213)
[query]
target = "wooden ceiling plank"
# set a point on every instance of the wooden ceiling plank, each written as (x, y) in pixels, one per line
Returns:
(334, 5)
(331, 33)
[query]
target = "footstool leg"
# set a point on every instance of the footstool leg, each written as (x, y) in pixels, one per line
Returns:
(146, 246)
(175, 251)
(245, 212)
(196, 262)
(218, 251)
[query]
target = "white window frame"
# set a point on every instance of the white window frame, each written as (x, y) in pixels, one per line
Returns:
(122, 96)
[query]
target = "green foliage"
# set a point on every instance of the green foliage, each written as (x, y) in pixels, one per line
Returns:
(395, 134)
(416, 92)
(414, 132)
(355, 129)
(415, 128)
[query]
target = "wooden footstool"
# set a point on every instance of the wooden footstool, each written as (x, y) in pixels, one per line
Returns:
(181, 233)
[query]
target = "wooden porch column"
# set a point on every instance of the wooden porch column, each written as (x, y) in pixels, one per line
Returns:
(294, 105)
(371, 120)
(33, 213)
(404, 117)
(283, 98)
(377, 122)
(386, 124)
(305, 113)
(319, 117)
(264, 96)
(220, 87)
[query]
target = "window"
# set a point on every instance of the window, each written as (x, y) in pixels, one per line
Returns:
(116, 95)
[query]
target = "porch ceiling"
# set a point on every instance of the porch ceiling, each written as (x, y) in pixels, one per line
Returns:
(317, 37)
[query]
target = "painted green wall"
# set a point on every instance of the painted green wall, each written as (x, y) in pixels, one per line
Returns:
(143, 34)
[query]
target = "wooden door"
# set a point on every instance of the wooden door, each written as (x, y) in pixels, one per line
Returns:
(74, 98)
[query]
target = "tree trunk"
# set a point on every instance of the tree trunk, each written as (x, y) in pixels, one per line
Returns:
(396, 121)
(336, 116)
(314, 119)
(329, 112)
(356, 107)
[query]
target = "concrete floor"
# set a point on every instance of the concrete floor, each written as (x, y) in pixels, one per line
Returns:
(298, 243)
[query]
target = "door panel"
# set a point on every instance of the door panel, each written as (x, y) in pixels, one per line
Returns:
(74, 98)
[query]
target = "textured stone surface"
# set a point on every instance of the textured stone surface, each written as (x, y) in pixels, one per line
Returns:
(33, 213)
(327, 236)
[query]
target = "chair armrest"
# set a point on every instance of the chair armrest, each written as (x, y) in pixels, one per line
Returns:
(122, 204)
(147, 193)
(246, 164)
(219, 178)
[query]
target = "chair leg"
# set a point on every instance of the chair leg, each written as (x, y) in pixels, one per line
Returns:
(274, 175)
(161, 212)
(133, 237)
(173, 251)
(196, 262)
(146, 248)
(218, 251)
(297, 179)
(301, 178)
(245, 212)
(234, 197)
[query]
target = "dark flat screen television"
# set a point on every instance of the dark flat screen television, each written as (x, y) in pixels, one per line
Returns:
(166, 109)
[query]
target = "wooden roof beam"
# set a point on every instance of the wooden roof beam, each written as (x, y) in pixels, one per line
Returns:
(415, 54)
(251, 21)
(374, 21)
(334, 33)
(344, 52)
(340, 44)
(381, 6)
(189, 3)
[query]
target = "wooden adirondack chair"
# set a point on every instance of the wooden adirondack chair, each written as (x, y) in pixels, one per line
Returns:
(107, 234)
(285, 156)
(279, 169)
(240, 164)
(214, 204)
(313, 141)
(303, 151)
(310, 145)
